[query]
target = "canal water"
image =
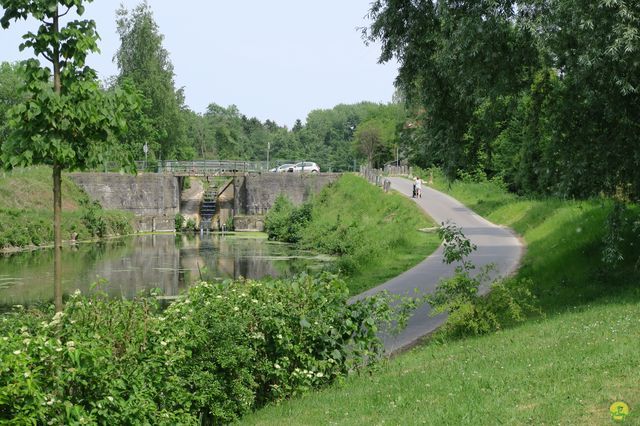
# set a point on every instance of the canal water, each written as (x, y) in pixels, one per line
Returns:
(127, 266)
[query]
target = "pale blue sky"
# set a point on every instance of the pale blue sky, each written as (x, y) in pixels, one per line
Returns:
(275, 59)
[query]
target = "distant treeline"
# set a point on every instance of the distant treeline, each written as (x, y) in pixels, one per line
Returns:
(337, 139)
(543, 95)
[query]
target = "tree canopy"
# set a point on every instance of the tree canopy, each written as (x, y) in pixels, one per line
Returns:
(542, 93)
(64, 119)
(145, 63)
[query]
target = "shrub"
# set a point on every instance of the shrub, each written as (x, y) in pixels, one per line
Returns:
(216, 353)
(470, 313)
(118, 223)
(178, 221)
(93, 219)
(285, 222)
(190, 225)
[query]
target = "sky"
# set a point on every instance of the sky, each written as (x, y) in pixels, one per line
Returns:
(277, 59)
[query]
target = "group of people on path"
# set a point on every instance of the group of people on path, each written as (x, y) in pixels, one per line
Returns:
(417, 188)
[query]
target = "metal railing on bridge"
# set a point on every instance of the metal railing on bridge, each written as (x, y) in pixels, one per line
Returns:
(211, 167)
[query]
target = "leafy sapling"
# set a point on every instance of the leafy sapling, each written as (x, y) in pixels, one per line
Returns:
(471, 313)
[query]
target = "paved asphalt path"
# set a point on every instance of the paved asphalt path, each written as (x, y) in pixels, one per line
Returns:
(496, 244)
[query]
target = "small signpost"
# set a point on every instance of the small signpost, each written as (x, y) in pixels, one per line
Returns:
(145, 149)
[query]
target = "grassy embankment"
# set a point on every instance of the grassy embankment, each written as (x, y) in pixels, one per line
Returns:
(565, 368)
(26, 205)
(377, 235)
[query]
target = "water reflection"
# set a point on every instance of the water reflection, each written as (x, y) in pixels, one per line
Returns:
(134, 264)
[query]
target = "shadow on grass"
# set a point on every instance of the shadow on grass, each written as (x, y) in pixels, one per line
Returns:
(563, 260)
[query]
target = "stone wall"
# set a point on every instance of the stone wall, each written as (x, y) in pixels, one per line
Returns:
(153, 198)
(256, 194)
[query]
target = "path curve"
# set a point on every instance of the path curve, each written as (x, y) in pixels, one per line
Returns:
(496, 244)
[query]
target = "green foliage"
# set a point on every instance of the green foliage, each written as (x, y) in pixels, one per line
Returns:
(480, 372)
(564, 242)
(375, 235)
(456, 247)
(356, 221)
(145, 63)
(25, 215)
(178, 221)
(92, 219)
(613, 238)
(213, 355)
(470, 313)
(11, 82)
(495, 89)
(73, 124)
(190, 225)
(20, 228)
(285, 222)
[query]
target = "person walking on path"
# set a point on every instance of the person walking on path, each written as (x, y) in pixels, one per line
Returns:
(418, 185)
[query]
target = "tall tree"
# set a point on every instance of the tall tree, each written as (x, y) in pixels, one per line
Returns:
(66, 121)
(453, 56)
(11, 83)
(143, 60)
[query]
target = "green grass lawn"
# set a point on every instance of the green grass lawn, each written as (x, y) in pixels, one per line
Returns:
(567, 367)
(564, 243)
(26, 209)
(377, 234)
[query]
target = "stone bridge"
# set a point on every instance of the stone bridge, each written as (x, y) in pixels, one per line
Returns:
(154, 198)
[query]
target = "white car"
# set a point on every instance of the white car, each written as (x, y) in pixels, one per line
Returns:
(282, 168)
(306, 166)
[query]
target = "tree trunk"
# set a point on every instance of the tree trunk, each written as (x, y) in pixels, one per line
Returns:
(57, 188)
(57, 236)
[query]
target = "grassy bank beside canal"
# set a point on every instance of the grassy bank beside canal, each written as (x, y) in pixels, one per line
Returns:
(566, 367)
(26, 211)
(375, 235)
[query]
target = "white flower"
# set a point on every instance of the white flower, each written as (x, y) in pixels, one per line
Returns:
(319, 374)
(235, 308)
(27, 374)
(110, 398)
(16, 352)
(277, 366)
(163, 343)
(71, 344)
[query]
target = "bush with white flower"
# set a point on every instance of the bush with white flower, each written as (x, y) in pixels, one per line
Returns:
(219, 351)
